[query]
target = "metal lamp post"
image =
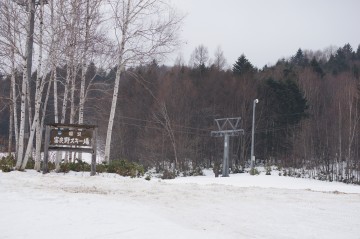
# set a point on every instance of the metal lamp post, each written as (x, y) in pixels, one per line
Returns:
(252, 136)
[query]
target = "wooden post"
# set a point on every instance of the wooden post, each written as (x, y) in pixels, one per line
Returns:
(93, 156)
(46, 149)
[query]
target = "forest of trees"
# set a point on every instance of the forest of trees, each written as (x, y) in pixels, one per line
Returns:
(307, 117)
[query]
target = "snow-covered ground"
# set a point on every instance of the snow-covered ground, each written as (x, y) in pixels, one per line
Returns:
(76, 205)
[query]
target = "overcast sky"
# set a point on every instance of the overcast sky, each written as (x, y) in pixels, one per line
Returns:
(267, 30)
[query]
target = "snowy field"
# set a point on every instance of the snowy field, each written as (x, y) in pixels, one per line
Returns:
(76, 205)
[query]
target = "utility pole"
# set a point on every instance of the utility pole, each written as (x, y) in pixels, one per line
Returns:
(252, 164)
(227, 127)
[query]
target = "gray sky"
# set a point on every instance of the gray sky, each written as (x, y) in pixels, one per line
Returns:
(267, 30)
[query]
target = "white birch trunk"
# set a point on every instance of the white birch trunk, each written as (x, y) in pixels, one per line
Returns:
(14, 106)
(69, 155)
(14, 99)
(40, 129)
(20, 151)
(11, 126)
(56, 108)
(34, 124)
(167, 125)
(63, 112)
(72, 95)
(26, 76)
(84, 66)
(82, 94)
(28, 107)
(38, 92)
(112, 113)
(53, 58)
(13, 121)
(38, 148)
(56, 115)
(66, 93)
(119, 70)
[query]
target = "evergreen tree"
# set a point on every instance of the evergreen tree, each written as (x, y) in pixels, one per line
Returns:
(285, 107)
(358, 53)
(242, 66)
(341, 61)
(299, 59)
(289, 102)
(348, 52)
(317, 68)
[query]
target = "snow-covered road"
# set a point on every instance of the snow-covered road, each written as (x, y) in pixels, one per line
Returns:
(75, 205)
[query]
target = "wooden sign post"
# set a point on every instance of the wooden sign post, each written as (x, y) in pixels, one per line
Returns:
(70, 137)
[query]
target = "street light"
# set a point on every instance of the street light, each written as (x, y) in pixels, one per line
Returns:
(252, 137)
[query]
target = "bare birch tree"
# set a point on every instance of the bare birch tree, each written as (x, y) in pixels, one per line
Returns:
(40, 83)
(219, 59)
(26, 75)
(199, 57)
(164, 120)
(144, 29)
(9, 44)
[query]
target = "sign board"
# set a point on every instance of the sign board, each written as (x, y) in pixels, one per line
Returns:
(70, 137)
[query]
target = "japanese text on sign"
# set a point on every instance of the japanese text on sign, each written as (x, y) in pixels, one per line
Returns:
(66, 137)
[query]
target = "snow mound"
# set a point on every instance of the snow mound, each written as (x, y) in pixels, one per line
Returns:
(75, 205)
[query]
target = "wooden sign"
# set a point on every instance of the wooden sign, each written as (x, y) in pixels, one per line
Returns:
(71, 137)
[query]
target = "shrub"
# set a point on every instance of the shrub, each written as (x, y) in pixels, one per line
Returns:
(112, 166)
(167, 174)
(238, 169)
(101, 168)
(216, 169)
(125, 168)
(7, 164)
(64, 168)
(196, 172)
(51, 166)
(79, 166)
(268, 170)
(6, 168)
(30, 164)
(148, 177)
(254, 171)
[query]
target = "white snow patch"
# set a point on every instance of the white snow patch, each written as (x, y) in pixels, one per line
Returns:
(269, 181)
(76, 205)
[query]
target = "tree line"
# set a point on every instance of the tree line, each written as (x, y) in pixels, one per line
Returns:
(161, 116)
(307, 118)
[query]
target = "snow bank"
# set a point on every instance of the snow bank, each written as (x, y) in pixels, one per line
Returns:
(269, 181)
(76, 205)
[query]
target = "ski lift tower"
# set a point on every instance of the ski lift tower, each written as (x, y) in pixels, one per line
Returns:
(227, 127)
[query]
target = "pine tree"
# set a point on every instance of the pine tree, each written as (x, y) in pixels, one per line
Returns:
(317, 68)
(299, 59)
(358, 53)
(242, 66)
(286, 107)
(340, 62)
